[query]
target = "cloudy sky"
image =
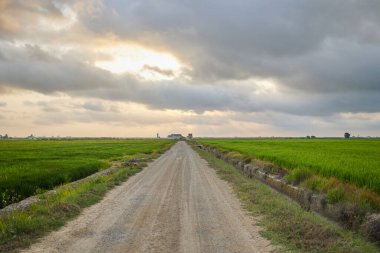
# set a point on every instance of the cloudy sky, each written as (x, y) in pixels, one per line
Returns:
(211, 67)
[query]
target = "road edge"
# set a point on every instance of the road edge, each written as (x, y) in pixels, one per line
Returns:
(285, 223)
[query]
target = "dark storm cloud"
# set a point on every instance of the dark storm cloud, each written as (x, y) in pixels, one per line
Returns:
(168, 95)
(324, 55)
(174, 95)
(48, 77)
(239, 39)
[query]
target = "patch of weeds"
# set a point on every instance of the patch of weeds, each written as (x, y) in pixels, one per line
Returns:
(247, 159)
(367, 199)
(296, 176)
(335, 195)
(314, 183)
(8, 197)
(64, 209)
(337, 191)
(2, 227)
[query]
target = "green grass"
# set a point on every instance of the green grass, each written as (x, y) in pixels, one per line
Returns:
(29, 167)
(22, 228)
(284, 222)
(354, 161)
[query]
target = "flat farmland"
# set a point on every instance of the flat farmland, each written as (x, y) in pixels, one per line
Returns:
(355, 161)
(30, 166)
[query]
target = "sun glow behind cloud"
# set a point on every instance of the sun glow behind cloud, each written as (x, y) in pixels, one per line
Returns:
(184, 72)
(142, 62)
(265, 86)
(70, 18)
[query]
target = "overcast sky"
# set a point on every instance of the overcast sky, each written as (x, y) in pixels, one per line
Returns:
(211, 67)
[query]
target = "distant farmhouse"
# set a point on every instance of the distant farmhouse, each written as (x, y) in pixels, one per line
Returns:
(4, 136)
(31, 137)
(175, 136)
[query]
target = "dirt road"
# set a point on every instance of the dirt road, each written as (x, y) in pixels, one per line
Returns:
(176, 204)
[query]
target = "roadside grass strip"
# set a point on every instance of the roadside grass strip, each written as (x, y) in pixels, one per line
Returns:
(21, 228)
(283, 221)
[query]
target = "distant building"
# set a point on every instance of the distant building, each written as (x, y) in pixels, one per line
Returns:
(31, 137)
(347, 135)
(175, 136)
(190, 136)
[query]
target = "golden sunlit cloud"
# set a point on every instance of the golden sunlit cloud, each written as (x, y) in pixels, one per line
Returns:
(265, 86)
(361, 116)
(28, 112)
(68, 20)
(140, 61)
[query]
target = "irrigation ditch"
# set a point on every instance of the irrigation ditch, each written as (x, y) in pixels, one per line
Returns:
(25, 204)
(348, 215)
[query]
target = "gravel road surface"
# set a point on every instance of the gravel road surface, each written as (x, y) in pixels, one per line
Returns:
(176, 204)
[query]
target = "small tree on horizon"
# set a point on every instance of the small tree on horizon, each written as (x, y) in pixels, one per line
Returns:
(347, 135)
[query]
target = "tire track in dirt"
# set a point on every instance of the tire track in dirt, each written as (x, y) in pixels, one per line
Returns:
(176, 204)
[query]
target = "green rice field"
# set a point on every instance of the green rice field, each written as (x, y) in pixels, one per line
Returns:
(356, 161)
(31, 166)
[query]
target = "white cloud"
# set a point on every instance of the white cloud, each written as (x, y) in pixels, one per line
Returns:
(244, 68)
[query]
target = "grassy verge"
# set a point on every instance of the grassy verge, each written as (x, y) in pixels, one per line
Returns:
(30, 167)
(22, 228)
(284, 222)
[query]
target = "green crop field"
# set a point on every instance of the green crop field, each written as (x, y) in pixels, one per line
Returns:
(27, 167)
(356, 161)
